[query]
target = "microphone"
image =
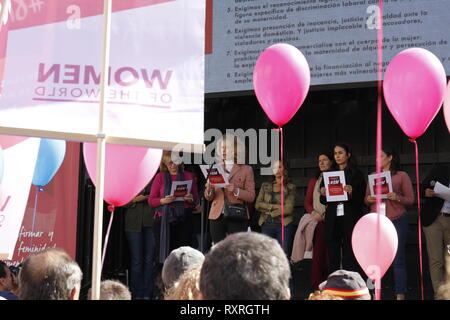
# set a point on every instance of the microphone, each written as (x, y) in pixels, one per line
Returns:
(432, 183)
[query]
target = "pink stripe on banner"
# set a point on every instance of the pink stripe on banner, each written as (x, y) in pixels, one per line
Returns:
(29, 13)
(379, 132)
(97, 102)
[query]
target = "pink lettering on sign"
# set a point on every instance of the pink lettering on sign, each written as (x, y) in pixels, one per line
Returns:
(5, 204)
(124, 76)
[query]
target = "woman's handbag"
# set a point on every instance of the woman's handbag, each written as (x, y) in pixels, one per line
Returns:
(236, 212)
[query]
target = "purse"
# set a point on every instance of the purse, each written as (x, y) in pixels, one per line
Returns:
(236, 212)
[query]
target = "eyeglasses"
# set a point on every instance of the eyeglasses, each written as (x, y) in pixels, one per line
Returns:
(15, 270)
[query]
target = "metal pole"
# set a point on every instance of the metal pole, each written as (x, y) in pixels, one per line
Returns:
(101, 145)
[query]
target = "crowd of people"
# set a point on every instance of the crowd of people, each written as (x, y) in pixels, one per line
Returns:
(162, 236)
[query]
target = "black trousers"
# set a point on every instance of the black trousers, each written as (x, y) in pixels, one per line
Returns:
(221, 227)
(339, 248)
(181, 234)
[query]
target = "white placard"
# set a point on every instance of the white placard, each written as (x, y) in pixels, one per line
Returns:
(334, 186)
(386, 184)
(218, 176)
(180, 189)
(156, 90)
(19, 163)
(441, 191)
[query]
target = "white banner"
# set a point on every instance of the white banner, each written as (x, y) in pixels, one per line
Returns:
(52, 70)
(19, 161)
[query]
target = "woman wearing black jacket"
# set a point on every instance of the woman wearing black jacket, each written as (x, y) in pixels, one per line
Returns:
(339, 229)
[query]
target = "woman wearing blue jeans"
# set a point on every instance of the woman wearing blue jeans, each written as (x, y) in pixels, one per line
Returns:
(139, 231)
(269, 204)
(402, 195)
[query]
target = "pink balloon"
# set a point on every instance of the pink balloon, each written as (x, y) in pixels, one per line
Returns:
(414, 86)
(447, 107)
(281, 80)
(127, 170)
(374, 242)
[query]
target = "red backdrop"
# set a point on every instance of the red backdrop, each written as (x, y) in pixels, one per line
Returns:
(56, 214)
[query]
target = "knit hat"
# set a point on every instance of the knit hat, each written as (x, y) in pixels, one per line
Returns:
(346, 284)
(178, 261)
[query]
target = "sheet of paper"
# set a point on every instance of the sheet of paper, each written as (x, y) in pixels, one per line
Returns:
(385, 180)
(340, 210)
(334, 185)
(442, 191)
(180, 189)
(218, 176)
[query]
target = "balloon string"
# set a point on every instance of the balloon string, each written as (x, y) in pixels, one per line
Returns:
(419, 221)
(282, 186)
(110, 209)
(379, 136)
(34, 214)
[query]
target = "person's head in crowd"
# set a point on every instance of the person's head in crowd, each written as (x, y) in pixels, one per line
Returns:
(343, 156)
(178, 261)
(279, 169)
(325, 162)
(319, 295)
(171, 163)
(230, 149)
(6, 278)
(50, 275)
(187, 287)
(112, 290)
(245, 266)
(390, 159)
(8, 285)
(348, 285)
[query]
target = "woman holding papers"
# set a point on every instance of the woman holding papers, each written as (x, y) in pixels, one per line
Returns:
(173, 223)
(341, 216)
(397, 191)
(269, 204)
(240, 189)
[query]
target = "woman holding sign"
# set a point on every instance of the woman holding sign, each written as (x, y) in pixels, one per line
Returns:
(173, 203)
(397, 192)
(239, 191)
(342, 215)
(319, 264)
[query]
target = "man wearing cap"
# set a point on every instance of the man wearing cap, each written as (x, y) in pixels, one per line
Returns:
(348, 285)
(435, 218)
(178, 261)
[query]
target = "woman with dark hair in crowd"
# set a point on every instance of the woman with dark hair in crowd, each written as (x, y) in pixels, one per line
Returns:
(173, 225)
(313, 206)
(402, 195)
(341, 217)
(269, 204)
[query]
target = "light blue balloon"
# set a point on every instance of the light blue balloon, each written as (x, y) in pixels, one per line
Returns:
(50, 157)
(2, 164)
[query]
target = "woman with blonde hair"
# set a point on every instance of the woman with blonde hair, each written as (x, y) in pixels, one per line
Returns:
(187, 287)
(240, 190)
